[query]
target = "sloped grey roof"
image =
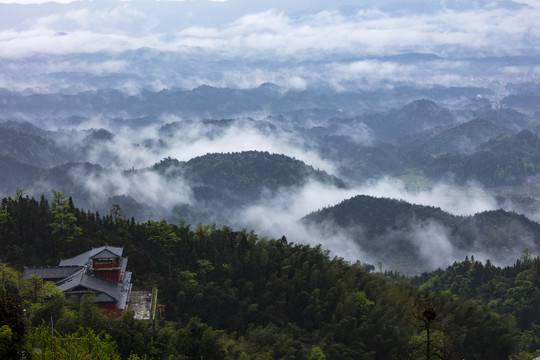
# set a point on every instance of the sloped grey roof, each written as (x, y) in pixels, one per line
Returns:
(77, 277)
(82, 259)
(82, 270)
(93, 283)
(105, 253)
(54, 272)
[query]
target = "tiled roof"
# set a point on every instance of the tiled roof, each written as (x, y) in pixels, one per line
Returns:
(105, 253)
(82, 259)
(76, 274)
(93, 283)
(53, 272)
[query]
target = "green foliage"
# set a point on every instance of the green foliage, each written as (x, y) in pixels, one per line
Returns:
(236, 178)
(414, 117)
(387, 229)
(42, 300)
(317, 353)
(360, 161)
(83, 344)
(511, 290)
(6, 341)
(32, 286)
(89, 315)
(116, 212)
(30, 149)
(421, 148)
(199, 340)
(64, 225)
(231, 295)
(418, 346)
(4, 217)
(8, 279)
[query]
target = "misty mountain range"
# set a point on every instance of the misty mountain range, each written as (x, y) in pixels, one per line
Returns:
(254, 115)
(165, 159)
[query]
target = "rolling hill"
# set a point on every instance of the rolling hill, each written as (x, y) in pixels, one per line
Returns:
(413, 238)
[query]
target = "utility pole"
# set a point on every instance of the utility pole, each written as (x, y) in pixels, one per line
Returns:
(428, 316)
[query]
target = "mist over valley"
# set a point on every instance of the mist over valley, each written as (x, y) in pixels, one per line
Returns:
(267, 169)
(250, 116)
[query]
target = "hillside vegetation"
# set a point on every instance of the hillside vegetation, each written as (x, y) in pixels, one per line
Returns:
(232, 295)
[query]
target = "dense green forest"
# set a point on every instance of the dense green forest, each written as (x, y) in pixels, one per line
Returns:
(237, 178)
(231, 295)
(344, 180)
(511, 290)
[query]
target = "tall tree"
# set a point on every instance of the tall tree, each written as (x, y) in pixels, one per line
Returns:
(64, 224)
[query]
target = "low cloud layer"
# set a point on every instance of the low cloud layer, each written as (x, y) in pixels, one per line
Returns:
(143, 147)
(467, 200)
(86, 28)
(148, 188)
(295, 46)
(280, 215)
(274, 214)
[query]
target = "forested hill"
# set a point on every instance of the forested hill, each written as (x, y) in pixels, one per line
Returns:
(409, 238)
(31, 149)
(217, 181)
(230, 180)
(462, 138)
(247, 174)
(231, 295)
(510, 290)
(414, 117)
(498, 162)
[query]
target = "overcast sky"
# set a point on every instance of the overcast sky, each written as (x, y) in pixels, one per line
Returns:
(278, 27)
(277, 36)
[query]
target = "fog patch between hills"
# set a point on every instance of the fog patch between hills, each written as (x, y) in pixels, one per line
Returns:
(467, 200)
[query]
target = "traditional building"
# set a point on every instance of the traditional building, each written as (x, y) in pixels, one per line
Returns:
(100, 271)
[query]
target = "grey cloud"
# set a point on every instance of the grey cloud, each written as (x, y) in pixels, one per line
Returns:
(148, 188)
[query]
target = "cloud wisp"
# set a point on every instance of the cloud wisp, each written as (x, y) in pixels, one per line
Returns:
(184, 140)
